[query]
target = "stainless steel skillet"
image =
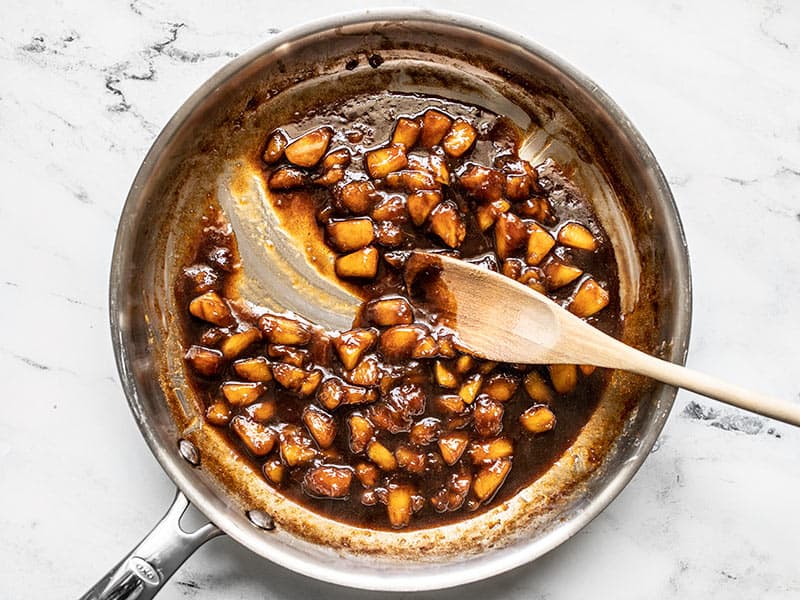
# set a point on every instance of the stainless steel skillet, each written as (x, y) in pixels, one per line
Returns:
(572, 120)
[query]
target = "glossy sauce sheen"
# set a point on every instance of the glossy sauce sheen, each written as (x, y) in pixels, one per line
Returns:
(215, 262)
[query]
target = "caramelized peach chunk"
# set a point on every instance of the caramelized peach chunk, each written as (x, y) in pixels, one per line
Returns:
(253, 369)
(362, 264)
(368, 474)
(381, 456)
(383, 161)
(338, 159)
(366, 373)
(469, 389)
(351, 345)
(390, 208)
(262, 411)
(435, 125)
(482, 182)
(559, 274)
(451, 404)
(425, 431)
(576, 235)
(510, 233)
(218, 414)
(334, 392)
(399, 505)
(210, 307)
(291, 355)
(412, 180)
(361, 432)
(273, 150)
(241, 394)
(538, 419)
(488, 416)
(286, 178)
(589, 299)
(537, 208)
(489, 479)
(420, 204)
(258, 438)
(321, 426)
(451, 497)
(490, 450)
(486, 214)
(500, 387)
(452, 446)
(459, 139)
(274, 470)
(234, 345)
(410, 459)
(385, 312)
(447, 222)
(587, 369)
(350, 234)
(444, 376)
(358, 196)
(406, 132)
(296, 448)
(399, 342)
(539, 244)
(537, 388)
(328, 481)
(205, 361)
(307, 150)
(563, 377)
(283, 330)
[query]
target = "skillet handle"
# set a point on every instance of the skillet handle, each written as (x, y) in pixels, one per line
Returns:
(140, 575)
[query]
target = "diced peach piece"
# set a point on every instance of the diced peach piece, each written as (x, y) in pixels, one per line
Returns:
(425, 431)
(381, 456)
(259, 439)
(368, 474)
(389, 234)
(536, 208)
(358, 196)
(538, 419)
(310, 383)
(286, 178)
(447, 222)
(489, 479)
(241, 394)
(289, 376)
(449, 404)
(452, 446)
(487, 367)
(398, 342)
(390, 208)
(563, 377)
(321, 426)
(253, 369)
(410, 459)
(444, 376)
(435, 125)
(362, 264)
(273, 150)
(366, 373)
(350, 234)
(385, 312)
(510, 233)
(486, 214)
(438, 166)
(338, 159)
(518, 186)
(427, 347)
(540, 242)
(537, 388)
(482, 182)
(296, 448)
(490, 450)
(218, 414)
(307, 150)
(488, 416)
(351, 345)
(361, 432)
(330, 177)
(459, 139)
(420, 204)
(412, 180)
(469, 389)
(559, 274)
(576, 235)
(291, 355)
(451, 497)
(205, 361)
(334, 392)
(464, 364)
(406, 132)
(587, 369)
(274, 470)
(283, 330)
(399, 505)
(589, 299)
(385, 160)
(210, 307)
(500, 387)
(234, 345)
(328, 481)
(262, 411)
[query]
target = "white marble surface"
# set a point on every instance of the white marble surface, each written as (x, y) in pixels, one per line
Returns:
(714, 88)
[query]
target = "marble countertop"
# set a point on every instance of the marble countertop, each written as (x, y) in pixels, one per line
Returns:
(712, 86)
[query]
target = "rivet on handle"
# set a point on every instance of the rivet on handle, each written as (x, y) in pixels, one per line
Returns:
(189, 452)
(261, 519)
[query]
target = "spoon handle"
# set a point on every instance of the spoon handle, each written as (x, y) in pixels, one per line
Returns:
(638, 362)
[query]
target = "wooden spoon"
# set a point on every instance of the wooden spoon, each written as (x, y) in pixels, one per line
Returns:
(500, 319)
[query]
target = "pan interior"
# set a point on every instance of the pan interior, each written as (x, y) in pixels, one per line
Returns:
(222, 128)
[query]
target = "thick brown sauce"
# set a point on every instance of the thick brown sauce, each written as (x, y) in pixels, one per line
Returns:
(215, 262)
